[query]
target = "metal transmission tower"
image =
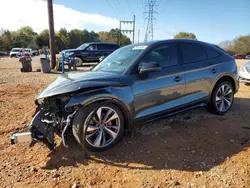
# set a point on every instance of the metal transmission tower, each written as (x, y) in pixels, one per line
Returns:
(149, 35)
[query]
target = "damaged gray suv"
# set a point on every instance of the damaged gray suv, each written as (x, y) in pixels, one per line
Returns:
(136, 83)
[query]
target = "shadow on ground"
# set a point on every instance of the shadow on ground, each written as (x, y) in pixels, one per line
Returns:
(191, 144)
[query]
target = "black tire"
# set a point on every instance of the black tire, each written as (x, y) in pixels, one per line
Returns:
(79, 127)
(212, 105)
(79, 61)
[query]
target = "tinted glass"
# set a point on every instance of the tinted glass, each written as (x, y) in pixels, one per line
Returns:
(192, 52)
(115, 46)
(104, 46)
(211, 53)
(165, 55)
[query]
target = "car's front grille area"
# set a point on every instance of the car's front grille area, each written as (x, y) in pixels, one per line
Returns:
(248, 69)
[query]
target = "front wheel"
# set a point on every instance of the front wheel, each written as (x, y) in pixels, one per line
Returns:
(78, 61)
(98, 126)
(222, 98)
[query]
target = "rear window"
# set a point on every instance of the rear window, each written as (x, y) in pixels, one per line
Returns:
(211, 53)
(106, 46)
(192, 53)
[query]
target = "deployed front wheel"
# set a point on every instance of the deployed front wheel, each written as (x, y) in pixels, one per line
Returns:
(98, 126)
(222, 98)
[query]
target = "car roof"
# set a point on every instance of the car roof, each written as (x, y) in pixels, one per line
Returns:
(170, 40)
(100, 43)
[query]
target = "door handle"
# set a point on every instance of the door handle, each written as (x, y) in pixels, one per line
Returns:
(214, 70)
(178, 78)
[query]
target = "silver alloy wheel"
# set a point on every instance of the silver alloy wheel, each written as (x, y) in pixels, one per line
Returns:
(102, 127)
(224, 98)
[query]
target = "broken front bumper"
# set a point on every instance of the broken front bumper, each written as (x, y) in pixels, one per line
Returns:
(36, 131)
(41, 129)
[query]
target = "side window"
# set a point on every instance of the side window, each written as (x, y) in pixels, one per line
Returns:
(101, 47)
(116, 47)
(165, 55)
(104, 47)
(92, 47)
(211, 53)
(192, 53)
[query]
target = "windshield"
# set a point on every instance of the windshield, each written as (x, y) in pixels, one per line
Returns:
(82, 47)
(120, 60)
(15, 50)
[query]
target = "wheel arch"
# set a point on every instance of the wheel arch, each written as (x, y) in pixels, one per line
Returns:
(86, 100)
(124, 109)
(228, 78)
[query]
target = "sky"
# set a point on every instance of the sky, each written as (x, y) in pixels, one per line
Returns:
(210, 20)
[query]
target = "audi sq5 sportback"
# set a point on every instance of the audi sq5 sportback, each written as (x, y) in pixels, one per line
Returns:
(136, 83)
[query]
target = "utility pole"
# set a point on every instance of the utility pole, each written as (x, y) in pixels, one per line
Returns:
(120, 33)
(134, 30)
(127, 30)
(149, 35)
(51, 34)
(138, 35)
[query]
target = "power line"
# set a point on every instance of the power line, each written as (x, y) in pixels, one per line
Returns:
(149, 35)
(118, 11)
(129, 7)
(167, 2)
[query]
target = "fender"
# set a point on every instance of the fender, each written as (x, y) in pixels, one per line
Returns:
(234, 77)
(123, 98)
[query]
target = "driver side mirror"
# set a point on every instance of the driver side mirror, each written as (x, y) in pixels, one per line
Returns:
(149, 67)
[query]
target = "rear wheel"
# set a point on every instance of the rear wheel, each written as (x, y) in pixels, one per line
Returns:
(98, 127)
(222, 98)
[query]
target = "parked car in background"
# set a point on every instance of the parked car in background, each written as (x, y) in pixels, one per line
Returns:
(35, 52)
(239, 56)
(15, 52)
(247, 57)
(134, 84)
(244, 73)
(4, 54)
(90, 52)
(28, 51)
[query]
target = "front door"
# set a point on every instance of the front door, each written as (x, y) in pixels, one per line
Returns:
(92, 52)
(156, 92)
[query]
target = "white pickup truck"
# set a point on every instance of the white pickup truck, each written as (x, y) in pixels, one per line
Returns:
(15, 52)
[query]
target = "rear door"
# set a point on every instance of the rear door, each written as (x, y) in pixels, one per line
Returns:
(104, 49)
(159, 91)
(197, 71)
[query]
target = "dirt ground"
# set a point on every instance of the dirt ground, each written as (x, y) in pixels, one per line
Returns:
(195, 149)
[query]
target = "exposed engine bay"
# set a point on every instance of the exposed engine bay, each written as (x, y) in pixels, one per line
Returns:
(51, 117)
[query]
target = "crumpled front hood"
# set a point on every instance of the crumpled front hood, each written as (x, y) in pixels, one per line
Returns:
(79, 80)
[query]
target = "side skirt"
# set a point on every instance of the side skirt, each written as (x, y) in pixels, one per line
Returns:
(166, 114)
